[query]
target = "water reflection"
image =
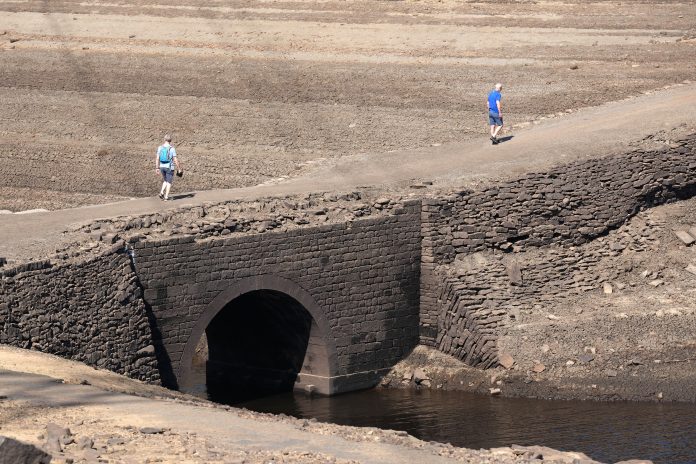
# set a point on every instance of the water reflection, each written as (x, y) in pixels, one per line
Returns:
(605, 431)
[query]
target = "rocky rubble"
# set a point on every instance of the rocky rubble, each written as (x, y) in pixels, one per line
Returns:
(14, 451)
(611, 319)
(491, 253)
(264, 215)
(245, 217)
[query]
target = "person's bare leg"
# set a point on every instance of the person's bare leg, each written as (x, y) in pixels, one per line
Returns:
(497, 129)
(492, 130)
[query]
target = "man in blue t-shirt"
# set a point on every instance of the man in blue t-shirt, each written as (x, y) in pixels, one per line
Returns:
(495, 113)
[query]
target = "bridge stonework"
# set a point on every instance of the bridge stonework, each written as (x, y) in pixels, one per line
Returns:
(448, 272)
(359, 281)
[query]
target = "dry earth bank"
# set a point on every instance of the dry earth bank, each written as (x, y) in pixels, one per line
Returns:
(627, 336)
(255, 91)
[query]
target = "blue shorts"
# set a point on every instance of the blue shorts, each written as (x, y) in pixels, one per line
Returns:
(167, 174)
(494, 119)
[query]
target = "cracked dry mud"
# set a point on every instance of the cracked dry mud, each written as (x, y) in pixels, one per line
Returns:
(254, 92)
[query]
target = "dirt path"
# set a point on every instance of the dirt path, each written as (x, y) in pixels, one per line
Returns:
(611, 128)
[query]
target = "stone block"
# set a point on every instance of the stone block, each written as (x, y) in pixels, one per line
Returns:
(14, 451)
(686, 238)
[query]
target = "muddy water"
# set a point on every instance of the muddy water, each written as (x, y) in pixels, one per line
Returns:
(608, 432)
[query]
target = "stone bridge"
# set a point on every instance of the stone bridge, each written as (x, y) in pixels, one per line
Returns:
(338, 303)
(335, 306)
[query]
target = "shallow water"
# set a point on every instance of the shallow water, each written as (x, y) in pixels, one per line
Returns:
(608, 432)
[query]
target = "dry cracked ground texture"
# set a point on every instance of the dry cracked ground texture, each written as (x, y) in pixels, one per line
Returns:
(255, 91)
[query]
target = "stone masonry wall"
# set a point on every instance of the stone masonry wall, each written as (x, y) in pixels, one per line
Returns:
(364, 275)
(92, 312)
(473, 242)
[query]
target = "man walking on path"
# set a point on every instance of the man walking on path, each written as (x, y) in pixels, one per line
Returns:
(166, 161)
(495, 114)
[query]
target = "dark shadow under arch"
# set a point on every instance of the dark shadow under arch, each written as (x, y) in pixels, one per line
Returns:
(268, 325)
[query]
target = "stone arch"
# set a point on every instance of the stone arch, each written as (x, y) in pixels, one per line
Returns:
(320, 364)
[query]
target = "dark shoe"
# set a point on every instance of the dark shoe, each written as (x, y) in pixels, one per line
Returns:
(494, 141)
(161, 195)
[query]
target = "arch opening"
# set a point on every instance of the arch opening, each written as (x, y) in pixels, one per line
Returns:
(258, 344)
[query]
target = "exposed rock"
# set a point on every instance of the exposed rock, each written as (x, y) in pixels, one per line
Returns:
(552, 455)
(91, 456)
(506, 360)
(148, 350)
(692, 231)
(685, 237)
(538, 368)
(85, 443)
(52, 445)
(691, 268)
(589, 349)
(585, 358)
(495, 391)
(515, 273)
(608, 289)
(56, 433)
(152, 430)
(616, 246)
(14, 451)
(611, 373)
(419, 376)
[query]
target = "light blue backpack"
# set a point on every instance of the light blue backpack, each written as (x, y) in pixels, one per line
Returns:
(165, 157)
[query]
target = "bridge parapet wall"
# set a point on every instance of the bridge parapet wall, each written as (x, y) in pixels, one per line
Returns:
(363, 275)
(470, 277)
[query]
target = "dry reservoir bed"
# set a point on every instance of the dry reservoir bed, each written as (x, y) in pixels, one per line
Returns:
(253, 92)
